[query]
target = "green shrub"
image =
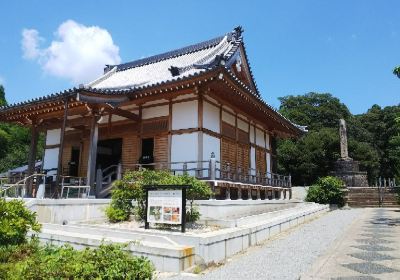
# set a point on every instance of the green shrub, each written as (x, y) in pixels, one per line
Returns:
(15, 222)
(131, 187)
(193, 215)
(327, 190)
(51, 262)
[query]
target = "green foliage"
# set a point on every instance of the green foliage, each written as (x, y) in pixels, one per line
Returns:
(396, 71)
(3, 100)
(310, 157)
(15, 142)
(384, 130)
(327, 190)
(193, 215)
(315, 110)
(371, 137)
(131, 188)
(15, 222)
(32, 261)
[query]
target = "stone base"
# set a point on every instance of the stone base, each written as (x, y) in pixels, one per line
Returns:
(348, 171)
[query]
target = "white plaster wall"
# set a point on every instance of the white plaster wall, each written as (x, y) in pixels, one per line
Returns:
(115, 118)
(268, 157)
(260, 141)
(211, 119)
(50, 158)
(155, 112)
(211, 145)
(251, 133)
(229, 118)
(53, 137)
(184, 115)
(243, 125)
(184, 147)
(253, 160)
(267, 141)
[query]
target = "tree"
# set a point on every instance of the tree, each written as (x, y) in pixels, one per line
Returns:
(315, 153)
(15, 142)
(3, 100)
(396, 71)
(315, 110)
(384, 129)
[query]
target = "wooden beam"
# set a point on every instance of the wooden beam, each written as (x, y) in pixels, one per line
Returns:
(124, 113)
(57, 123)
(32, 159)
(100, 98)
(94, 136)
(61, 149)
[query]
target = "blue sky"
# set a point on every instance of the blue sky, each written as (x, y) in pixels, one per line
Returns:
(347, 48)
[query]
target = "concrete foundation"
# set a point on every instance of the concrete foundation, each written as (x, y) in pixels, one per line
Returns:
(175, 251)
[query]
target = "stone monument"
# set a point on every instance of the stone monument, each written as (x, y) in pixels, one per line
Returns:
(346, 168)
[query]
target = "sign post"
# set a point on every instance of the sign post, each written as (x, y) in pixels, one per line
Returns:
(166, 204)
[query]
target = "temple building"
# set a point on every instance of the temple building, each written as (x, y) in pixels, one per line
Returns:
(196, 109)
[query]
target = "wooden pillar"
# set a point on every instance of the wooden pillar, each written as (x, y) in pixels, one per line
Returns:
(200, 135)
(32, 159)
(61, 149)
(94, 136)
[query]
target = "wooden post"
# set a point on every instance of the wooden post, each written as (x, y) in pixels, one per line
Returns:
(200, 135)
(61, 148)
(94, 135)
(32, 159)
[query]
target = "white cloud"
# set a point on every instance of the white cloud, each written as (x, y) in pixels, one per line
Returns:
(78, 52)
(30, 43)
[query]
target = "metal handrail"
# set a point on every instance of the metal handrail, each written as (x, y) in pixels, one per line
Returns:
(19, 183)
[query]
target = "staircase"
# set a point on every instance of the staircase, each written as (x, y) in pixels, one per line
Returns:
(105, 178)
(372, 197)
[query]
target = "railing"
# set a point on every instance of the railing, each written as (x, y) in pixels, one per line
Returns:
(76, 184)
(252, 176)
(215, 170)
(18, 189)
(385, 182)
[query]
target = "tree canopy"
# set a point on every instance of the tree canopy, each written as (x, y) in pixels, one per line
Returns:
(14, 142)
(396, 71)
(373, 138)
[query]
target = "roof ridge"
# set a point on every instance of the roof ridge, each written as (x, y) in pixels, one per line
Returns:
(173, 53)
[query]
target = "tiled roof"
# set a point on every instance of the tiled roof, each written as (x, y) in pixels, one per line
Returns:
(169, 66)
(176, 65)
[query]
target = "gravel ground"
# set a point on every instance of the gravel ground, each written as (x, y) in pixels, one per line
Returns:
(285, 257)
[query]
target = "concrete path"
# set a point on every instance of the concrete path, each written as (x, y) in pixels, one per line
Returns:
(288, 256)
(370, 249)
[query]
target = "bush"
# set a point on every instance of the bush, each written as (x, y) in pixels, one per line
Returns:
(15, 222)
(327, 190)
(105, 262)
(131, 187)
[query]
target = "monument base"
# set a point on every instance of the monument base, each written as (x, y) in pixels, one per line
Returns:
(349, 172)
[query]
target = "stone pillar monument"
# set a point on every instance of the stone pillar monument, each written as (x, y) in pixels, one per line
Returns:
(346, 168)
(344, 151)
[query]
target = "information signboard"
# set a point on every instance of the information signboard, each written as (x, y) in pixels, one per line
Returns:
(166, 204)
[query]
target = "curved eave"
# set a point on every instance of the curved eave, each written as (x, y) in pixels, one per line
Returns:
(264, 106)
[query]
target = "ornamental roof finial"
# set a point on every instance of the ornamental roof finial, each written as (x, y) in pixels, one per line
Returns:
(238, 31)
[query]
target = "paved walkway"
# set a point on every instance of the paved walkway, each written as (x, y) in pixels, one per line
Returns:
(288, 256)
(369, 250)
